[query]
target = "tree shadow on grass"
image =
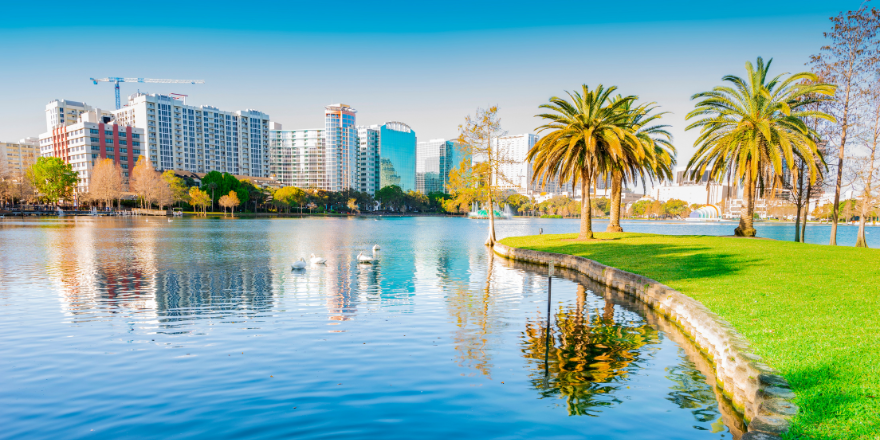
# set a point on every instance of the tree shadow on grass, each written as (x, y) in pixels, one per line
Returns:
(663, 262)
(829, 411)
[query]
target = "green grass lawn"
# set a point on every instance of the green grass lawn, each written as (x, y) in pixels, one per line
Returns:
(811, 311)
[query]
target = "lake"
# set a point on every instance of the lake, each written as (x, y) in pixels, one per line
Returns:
(144, 328)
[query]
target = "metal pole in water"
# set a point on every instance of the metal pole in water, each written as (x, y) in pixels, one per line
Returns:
(547, 333)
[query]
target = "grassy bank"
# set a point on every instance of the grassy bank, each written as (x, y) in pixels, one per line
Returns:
(812, 311)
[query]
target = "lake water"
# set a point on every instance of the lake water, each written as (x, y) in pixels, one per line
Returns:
(128, 328)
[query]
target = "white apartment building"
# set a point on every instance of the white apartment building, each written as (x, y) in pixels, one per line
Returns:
(65, 112)
(368, 159)
(199, 138)
(93, 137)
(297, 157)
(341, 147)
(517, 170)
(16, 157)
(701, 191)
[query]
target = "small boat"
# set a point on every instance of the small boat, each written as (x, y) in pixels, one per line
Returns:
(365, 258)
(317, 260)
(297, 265)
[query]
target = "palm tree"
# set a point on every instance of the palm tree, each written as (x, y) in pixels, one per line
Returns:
(754, 127)
(587, 135)
(654, 159)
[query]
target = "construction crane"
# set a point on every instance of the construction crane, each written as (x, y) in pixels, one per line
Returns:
(118, 80)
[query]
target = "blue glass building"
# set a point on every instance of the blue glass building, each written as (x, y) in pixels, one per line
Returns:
(397, 156)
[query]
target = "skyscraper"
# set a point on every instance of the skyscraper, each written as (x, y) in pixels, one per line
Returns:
(397, 156)
(517, 170)
(434, 159)
(340, 147)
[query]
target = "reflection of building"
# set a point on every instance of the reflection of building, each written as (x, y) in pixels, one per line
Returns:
(199, 139)
(92, 138)
(434, 159)
(297, 157)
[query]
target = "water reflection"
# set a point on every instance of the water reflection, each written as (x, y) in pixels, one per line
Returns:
(586, 357)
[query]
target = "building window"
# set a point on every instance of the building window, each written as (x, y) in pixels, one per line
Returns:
(109, 149)
(110, 156)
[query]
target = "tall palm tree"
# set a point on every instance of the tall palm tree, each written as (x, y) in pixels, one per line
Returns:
(586, 136)
(756, 125)
(654, 160)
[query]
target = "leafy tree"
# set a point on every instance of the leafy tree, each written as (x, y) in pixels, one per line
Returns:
(517, 202)
(755, 126)
(464, 184)
(641, 208)
(602, 206)
(391, 196)
(416, 201)
(654, 158)
(229, 201)
(675, 208)
(53, 178)
(587, 136)
(179, 190)
(352, 205)
(290, 196)
(199, 198)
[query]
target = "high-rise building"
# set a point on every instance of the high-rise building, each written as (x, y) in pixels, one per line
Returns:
(16, 157)
(64, 112)
(94, 136)
(199, 139)
(517, 171)
(434, 159)
(340, 147)
(368, 160)
(297, 158)
(397, 155)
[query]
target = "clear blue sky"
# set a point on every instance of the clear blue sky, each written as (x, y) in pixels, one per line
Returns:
(427, 64)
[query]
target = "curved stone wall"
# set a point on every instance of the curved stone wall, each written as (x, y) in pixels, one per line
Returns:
(758, 391)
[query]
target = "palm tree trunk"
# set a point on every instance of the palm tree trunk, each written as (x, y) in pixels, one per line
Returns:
(616, 189)
(799, 203)
(586, 210)
(746, 226)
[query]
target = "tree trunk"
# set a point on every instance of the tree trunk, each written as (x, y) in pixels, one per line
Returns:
(747, 214)
(616, 189)
(799, 204)
(806, 214)
(586, 210)
(860, 239)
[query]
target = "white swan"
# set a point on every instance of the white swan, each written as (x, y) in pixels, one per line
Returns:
(365, 258)
(169, 220)
(317, 260)
(301, 264)
(376, 247)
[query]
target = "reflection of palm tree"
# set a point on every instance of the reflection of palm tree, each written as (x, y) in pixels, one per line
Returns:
(585, 356)
(690, 390)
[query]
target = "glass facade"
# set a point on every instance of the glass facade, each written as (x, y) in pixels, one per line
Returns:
(397, 156)
(435, 158)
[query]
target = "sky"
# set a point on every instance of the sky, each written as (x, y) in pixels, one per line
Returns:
(427, 64)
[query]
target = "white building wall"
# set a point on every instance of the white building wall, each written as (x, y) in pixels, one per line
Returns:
(297, 158)
(368, 159)
(518, 170)
(199, 138)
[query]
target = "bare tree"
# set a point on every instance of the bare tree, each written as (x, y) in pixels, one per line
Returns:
(142, 179)
(479, 139)
(863, 164)
(105, 181)
(848, 62)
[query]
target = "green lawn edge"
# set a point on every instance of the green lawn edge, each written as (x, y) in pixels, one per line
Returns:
(811, 311)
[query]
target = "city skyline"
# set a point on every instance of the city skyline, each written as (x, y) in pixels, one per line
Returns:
(429, 76)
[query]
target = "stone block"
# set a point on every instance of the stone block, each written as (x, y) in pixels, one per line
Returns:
(769, 425)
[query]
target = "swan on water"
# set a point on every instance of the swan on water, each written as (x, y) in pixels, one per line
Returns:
(301, 264)
(376, 247)
(317, 260)
(169, 220)
(365, 258)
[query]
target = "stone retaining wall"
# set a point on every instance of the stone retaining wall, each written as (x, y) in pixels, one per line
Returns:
(756, 390)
